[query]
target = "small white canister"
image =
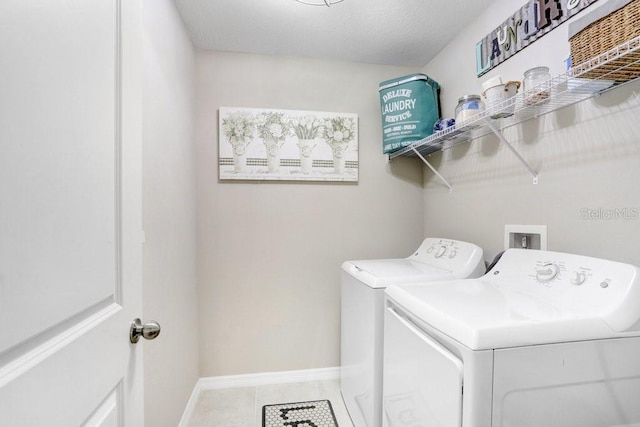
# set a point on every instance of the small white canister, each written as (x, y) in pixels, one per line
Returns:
(496, 93)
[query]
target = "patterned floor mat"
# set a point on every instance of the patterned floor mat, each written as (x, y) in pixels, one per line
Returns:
(317, 413)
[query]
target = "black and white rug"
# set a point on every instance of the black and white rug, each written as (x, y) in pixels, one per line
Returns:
(317, 413)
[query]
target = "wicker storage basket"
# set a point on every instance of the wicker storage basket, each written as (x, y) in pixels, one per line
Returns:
(605, 34)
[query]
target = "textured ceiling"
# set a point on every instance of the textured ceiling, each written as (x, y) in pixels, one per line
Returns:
(392, 32)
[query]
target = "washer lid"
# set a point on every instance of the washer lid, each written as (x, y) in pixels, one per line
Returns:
(382, 272)
(481, 315)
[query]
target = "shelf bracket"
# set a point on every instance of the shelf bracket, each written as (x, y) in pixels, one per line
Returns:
(433, 169)
(500, 136)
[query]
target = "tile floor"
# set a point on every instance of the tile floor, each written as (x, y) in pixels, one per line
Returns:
(242, 407)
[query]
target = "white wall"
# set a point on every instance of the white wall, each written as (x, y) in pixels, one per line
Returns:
(587, 156)
(169, 215)
(270, 252)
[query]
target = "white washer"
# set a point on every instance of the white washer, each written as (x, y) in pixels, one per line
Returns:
(363, 284)
(543, 339)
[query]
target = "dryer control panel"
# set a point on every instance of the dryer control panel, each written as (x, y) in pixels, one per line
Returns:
(464, 259)
(577, 285)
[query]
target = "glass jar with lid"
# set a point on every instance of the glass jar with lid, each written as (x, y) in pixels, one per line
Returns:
(468, 107)
(537, 84)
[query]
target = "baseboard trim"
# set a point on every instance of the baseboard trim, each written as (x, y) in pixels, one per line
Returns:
(265, 378)
(254, 380)
(191, 405)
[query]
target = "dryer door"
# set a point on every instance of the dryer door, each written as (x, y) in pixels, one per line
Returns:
(422, 381)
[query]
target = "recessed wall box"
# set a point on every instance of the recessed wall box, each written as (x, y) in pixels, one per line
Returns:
(525, 237)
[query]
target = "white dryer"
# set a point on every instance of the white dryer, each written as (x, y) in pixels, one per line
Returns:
(543, 339)
(362, 310)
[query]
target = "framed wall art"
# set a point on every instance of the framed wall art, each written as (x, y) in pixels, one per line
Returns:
(287, 145)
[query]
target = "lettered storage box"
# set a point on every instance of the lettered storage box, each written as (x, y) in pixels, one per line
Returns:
(410, 108)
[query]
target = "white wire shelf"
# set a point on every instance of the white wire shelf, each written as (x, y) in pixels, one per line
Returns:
(611, 69)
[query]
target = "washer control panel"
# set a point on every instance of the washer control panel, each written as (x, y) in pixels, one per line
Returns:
(558, 273)
(452, 255)
(575, 284)
(553, 273)
(441, 248)
(446, 248)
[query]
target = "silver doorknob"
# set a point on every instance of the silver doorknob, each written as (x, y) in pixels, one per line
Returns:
(148, 331)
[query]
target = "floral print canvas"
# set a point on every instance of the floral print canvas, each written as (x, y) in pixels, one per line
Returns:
(267, 144)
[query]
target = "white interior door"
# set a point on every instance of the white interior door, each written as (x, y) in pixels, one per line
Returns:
(70, 212)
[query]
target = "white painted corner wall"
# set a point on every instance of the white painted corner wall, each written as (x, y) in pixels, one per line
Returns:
(269, 253)
(293, 236)
(169, 214)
